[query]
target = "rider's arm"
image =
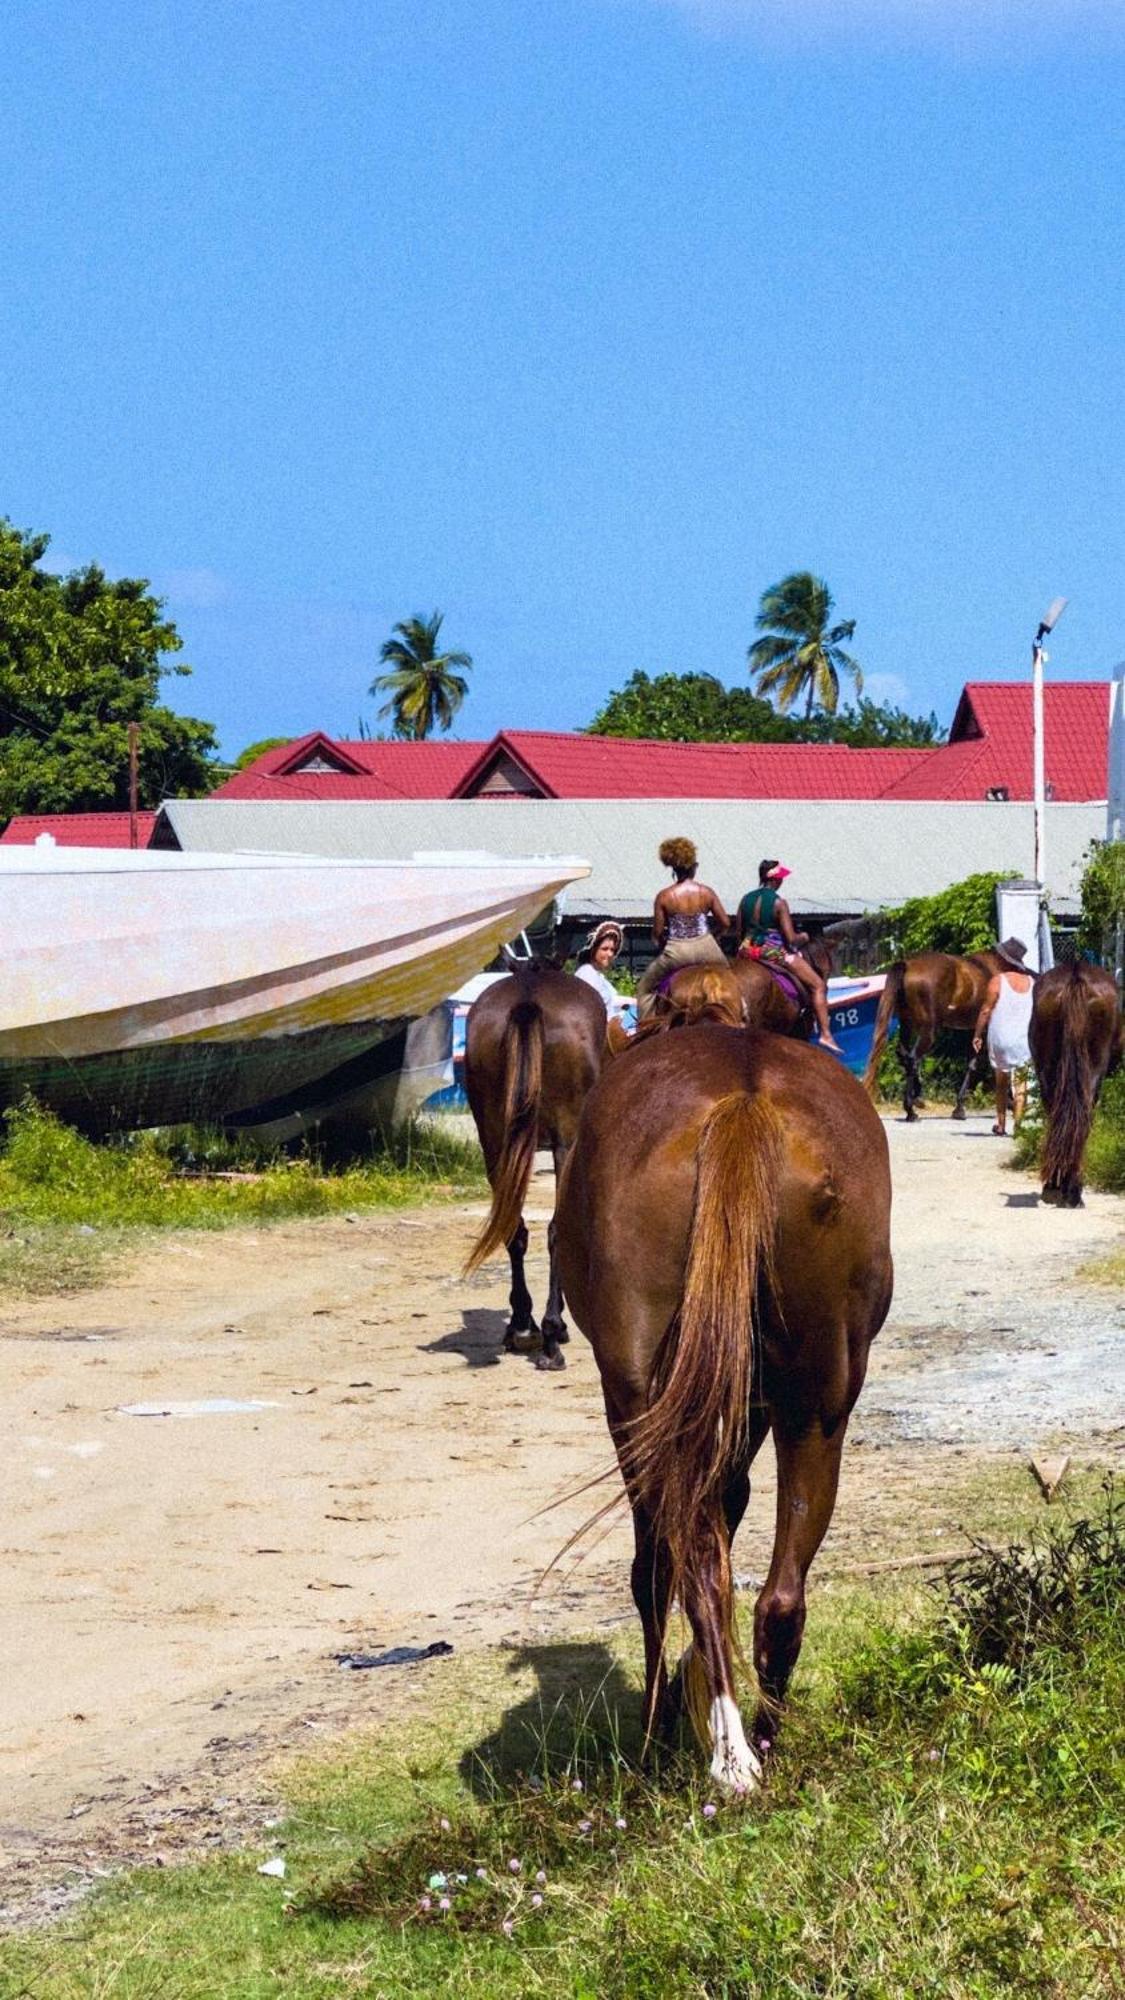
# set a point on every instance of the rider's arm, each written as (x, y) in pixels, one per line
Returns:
(784, 923)
(716, 911)
(659, 922)
(985, 1015)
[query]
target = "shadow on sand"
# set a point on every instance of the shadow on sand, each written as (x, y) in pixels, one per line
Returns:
(583, 1715)
(478, 1338)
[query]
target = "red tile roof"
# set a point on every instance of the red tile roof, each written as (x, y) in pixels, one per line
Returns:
(375, 771)
(101, 829)
(990, 744)
(989, 748)
(615, 767)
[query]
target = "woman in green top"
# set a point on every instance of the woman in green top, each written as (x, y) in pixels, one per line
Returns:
(765, 931)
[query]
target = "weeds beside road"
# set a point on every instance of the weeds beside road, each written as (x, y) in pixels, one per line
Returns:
(66, 1203)
(946, 1816)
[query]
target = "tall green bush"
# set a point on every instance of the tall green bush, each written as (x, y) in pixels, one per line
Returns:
(959, 919)
(1103, 897)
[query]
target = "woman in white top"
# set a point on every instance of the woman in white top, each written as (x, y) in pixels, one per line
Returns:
(594, 961)
(1006, 1015)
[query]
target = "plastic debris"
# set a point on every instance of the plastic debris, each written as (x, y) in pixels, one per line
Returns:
(1050, 1472)
(208, 1406)
(397, 1656)
(275, 1866)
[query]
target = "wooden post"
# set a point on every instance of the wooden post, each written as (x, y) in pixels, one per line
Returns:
(134, 733)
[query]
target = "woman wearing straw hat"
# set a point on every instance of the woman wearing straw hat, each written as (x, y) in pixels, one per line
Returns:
(594, 961)
(1006, 1017)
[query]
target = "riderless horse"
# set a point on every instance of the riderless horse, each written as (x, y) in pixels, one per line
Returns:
(533, 1046)
(1076, 1040)
(723, 1242)
(933, 991)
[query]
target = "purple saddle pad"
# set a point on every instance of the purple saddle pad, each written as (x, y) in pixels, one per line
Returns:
(791, 987)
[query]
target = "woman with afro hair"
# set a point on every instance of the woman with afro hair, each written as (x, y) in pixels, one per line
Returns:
(682, 917)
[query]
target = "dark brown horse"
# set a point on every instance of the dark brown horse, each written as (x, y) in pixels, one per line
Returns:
(724, 1245)
(1076, 1041)
(533, 1047)
(933, 991)
(752, 992)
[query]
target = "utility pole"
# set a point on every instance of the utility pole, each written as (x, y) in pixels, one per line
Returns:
(134, 734)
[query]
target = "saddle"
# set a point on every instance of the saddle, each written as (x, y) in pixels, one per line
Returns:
(790, 987)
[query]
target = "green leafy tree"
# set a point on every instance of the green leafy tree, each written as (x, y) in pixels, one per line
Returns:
(800, 653)
(697, 708)
(959, 919)
(424, 686)
(1103, 899)
(82, 656)
(255, 750)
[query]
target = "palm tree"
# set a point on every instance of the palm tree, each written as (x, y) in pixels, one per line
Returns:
(423, 686)
(799, 653)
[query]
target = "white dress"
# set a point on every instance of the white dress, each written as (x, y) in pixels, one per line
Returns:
(1008, 1027)
(615, 1003)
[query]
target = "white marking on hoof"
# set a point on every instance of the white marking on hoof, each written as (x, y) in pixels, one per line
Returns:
(733, 1765)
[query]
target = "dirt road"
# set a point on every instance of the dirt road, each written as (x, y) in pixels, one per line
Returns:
(173, 1586)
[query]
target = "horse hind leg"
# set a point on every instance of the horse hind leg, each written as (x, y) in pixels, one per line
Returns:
(521, 1332)
(555, 1331)
(808, 1470)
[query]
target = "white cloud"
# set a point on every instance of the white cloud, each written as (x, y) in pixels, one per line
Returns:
(193, 589)
(886, 688)
(965, 27)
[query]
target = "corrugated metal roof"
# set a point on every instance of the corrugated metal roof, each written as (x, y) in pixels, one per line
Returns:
(385, 771)
(104, 829)
(599, 767)
(847, 857)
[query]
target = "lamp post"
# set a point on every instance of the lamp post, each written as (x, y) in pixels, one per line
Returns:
(1047, 624)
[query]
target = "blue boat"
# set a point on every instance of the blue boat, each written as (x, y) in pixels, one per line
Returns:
(852, 1007)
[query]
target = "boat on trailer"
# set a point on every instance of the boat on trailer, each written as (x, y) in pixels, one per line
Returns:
(146, 988)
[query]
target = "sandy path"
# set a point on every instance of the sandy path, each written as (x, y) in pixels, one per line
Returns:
(173, 1588)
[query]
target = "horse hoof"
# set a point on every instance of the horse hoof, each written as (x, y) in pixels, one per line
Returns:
(556, 1334)
(958, 1113)
(912, 1116)
(522, 1339)
(550, 1360)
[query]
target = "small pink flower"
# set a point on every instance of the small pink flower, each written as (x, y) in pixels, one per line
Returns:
(934, 1756)
(583, 1826)
(514, 1866)
(536, 1902)
(425, 1903)
(620, 1823)
(540, 1874)
(444, 1903)
(507, 1927)
(482, 1874)
(444, 1825)
(709, 1810)
(576, 1784)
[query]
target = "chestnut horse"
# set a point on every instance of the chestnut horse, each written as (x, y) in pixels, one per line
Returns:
(723, 1241)
(936, 990)
(751, 992)
(1076, 1041)
(533, 1046)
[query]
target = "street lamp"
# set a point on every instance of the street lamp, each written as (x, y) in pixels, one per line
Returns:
(1047, 624)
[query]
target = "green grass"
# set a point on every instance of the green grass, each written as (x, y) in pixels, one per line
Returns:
(57, 1187)
(945, 1817)
(1105, 1153)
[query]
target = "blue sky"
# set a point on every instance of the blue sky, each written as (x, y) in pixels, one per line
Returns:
(582, 320)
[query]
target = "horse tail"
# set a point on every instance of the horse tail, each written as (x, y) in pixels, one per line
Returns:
(681, 1452)
(521, 1061)
(888, 1004)
(1070, 1112)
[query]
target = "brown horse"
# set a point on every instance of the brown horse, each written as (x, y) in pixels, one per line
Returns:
(1076, 1040)
(533, 1047)
(933, 991)
(750, 992)
(724, 1246)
